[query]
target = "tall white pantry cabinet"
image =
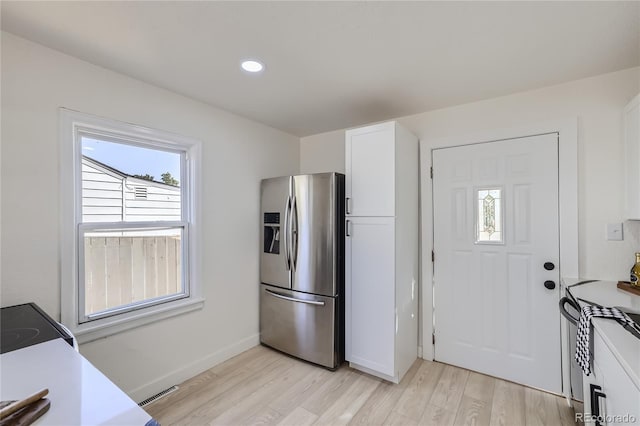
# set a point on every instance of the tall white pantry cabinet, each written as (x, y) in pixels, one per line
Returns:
(381, 250)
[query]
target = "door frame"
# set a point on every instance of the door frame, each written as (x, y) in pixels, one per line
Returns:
(568, 211)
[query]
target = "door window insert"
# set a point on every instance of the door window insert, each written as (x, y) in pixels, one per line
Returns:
(489, 210)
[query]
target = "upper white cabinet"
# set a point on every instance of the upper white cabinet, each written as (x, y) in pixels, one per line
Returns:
(381, 250)
(632, 158)
(370, 170)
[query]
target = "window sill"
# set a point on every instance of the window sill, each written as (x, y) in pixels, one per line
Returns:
(101, 328)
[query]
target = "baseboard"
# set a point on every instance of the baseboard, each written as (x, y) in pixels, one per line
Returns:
(187, 371)
(426, 352)
(374, 373)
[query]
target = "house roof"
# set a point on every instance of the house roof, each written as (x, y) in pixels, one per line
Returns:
(118, 173)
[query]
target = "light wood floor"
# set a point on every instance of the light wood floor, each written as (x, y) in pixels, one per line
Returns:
(262, 386)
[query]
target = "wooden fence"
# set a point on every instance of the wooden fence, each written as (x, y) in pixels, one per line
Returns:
(123, 270)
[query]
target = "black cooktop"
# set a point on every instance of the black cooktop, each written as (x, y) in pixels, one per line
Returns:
(26, 325)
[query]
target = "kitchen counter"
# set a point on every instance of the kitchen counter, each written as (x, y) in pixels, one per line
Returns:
(624, 346)
(79, 393)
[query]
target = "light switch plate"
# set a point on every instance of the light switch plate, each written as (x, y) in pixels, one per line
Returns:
(614, 232)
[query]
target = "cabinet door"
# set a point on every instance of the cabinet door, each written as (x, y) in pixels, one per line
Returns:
(370, 170)
(591, 384)
(370, 293)
(622, 402)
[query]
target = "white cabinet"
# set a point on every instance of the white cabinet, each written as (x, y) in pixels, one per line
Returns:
(369, 184)
(370, 293)
(382, 250)
(610, 396)
(632, 158)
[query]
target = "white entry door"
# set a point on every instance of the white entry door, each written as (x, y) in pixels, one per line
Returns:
(496, 246)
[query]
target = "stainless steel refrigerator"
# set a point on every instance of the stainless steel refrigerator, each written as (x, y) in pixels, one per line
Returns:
(302, 267)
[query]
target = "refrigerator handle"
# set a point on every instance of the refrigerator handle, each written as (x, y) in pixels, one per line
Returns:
(294, 233)
(293, 299)
(346, 206)
(347, 228)
(285, 234)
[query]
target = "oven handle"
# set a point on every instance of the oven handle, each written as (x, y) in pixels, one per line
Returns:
(564, 311)
(596, 394)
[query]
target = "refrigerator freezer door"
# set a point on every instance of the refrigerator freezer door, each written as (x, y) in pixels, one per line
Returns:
(316, 223)
(274, 233)
(299, 324)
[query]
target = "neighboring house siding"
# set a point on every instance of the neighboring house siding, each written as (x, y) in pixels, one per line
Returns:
(105, 191)
(101, 194)
(160, 202)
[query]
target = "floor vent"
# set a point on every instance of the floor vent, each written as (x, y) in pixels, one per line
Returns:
(158, 396)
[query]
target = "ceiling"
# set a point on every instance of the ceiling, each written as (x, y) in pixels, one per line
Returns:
(331, 65)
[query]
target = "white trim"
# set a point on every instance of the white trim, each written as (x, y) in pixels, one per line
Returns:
(73, 123)
(134, 319)
(568, 206)
(193, 369)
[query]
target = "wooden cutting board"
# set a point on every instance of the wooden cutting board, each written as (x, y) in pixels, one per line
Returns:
(27, 415)
(627, 286)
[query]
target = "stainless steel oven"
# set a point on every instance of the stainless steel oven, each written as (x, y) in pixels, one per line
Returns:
(570, 309)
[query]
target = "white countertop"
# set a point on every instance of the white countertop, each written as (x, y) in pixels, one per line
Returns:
(624, 346)
(604, 293)
(79, 393)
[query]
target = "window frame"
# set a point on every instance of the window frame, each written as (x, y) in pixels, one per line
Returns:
(73, 126)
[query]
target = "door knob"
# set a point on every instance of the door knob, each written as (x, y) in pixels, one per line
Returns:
(550, 285)
(549, 266)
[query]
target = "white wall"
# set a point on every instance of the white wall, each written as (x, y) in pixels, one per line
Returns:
(237, 153)
(598, 104)
(322, 153)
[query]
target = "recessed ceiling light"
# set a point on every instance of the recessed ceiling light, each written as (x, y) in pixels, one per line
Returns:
(252, 66)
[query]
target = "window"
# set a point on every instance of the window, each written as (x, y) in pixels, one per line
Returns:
(129, 208)
(489, 216)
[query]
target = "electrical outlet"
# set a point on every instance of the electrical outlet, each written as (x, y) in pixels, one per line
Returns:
(614, 232)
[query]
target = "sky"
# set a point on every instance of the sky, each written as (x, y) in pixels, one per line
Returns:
(132, 160)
